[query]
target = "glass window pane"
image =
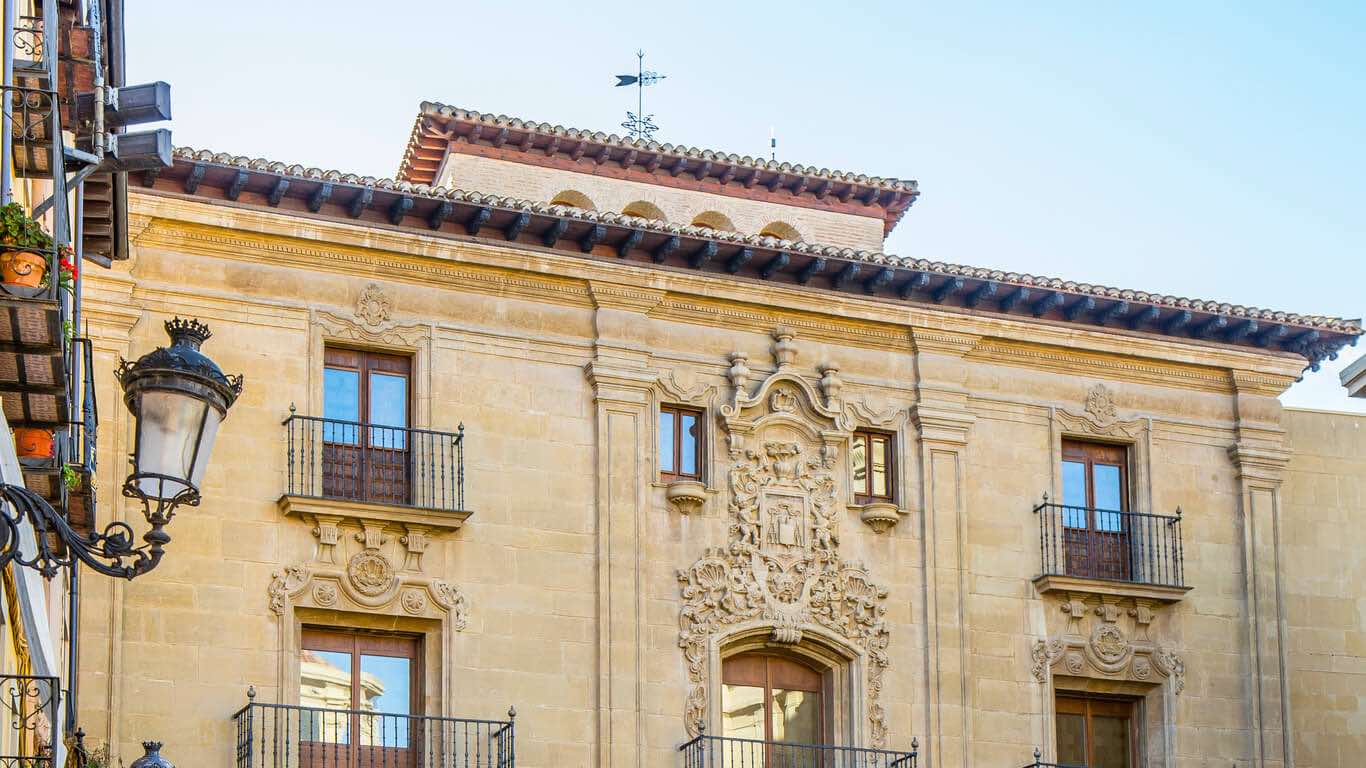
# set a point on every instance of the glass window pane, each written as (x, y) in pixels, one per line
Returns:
(796, 717)
(1109, 491)
(688, 433)
(1071, 739)
(1074, 493)
(384, 687)
(858, 458)
(666, 442)
(742, 711)
(341, 400)
(880, 450)
(1111, 748)
(388, 406)
(325, 683)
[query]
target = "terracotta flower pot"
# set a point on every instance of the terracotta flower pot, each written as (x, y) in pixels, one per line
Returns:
(23, 268)
(30, 442)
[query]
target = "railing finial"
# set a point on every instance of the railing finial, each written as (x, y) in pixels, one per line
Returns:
(1037, 755)
(915, 745)
(702, 728)
(512, 713)
(251, 693)
(1178, 510)
(291, 408)
(1045, 497)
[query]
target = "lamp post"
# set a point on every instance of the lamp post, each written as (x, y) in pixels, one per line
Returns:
(178, 398)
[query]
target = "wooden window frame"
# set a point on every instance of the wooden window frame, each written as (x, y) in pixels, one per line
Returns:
(677, 412)
(865, 494)
(335, 357)
(1069, 703)
(1091, 452)
(733, 672)
(357, 642)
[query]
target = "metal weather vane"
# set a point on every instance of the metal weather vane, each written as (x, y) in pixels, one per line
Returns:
(639, 124)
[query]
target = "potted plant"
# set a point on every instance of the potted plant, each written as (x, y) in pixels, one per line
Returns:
(33, 443)
(23, 261)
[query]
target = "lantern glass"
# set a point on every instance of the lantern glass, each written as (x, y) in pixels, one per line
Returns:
(176, 432)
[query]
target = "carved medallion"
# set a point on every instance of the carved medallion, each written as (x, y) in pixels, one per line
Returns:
(1109, 643)
(1100, 403)
(414, 601)
(325, 594)
(370, 573)
(373, 307)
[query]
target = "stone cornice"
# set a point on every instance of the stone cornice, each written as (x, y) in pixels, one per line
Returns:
(537, 274)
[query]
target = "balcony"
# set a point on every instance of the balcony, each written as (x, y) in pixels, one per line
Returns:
(372, 464)
(1110, 552)
(286, 736)
(723, 752)
(28, 706)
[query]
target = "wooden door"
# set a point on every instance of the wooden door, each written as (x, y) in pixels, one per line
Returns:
(1095, 493)
(1097, 733)
(774, 700)
(358, 693)
(367, 454)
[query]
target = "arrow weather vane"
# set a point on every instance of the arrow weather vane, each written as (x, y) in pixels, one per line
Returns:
(639, 124)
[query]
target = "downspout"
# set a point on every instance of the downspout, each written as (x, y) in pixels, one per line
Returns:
(6, 148)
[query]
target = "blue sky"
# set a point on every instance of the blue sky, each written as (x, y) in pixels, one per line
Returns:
(1199, 149)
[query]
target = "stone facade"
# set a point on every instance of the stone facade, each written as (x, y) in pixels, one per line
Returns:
(600, 601)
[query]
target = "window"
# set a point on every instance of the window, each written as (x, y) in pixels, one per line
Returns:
(645, 210)
(873, 467)
(1095, 497)
(680, 443)
(781, 230)
(771, 698)
(1096, 732)
(713, 220)
(573, 198)
(366, 404)
(345, 676)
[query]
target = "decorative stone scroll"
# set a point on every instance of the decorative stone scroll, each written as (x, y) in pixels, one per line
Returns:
(781, 566)
(1099, 643)
(368, 585)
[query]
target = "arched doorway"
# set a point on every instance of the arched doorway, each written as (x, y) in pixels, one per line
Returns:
(773, 698)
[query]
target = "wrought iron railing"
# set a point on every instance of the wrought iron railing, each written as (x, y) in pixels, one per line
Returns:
(28, 711)
(355, 461)
(288, 736)
(1108, 544)
(1038, 762)
(724, 752)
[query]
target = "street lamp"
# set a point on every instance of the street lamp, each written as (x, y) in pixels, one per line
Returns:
(178, 398)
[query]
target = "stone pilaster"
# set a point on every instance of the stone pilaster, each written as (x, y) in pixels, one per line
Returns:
(620, 379)
(1259, 457)
(942, 422)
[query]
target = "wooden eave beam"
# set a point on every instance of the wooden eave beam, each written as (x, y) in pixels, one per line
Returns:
(703, 255)
(738, 260)
(195, 177)
(1079, 308)
(592, 237)
(812, 268)
(1014, 299)
(319, 196)
(554, 232)
(667, 246)
(1116, 311)
(984, 292)
(149, 177)
(946, 289)
(1148, 314)
(477, 220)
(239, 183)
(879, 280)
(277, 192)
(774, 265)
(629, 243)
(399, 208)
(438, 214)
(514, 228)
(360, 202)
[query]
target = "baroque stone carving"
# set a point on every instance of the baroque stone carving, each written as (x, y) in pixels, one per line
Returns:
(413, 601)
(325, 594)
(1100, 403)
(370, 572)
(687, 497)
(781, 568)
(408, 594)
(1109, 649)
(284, 583)
(373, 307)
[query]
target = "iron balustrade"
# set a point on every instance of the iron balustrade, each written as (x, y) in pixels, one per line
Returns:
(291, 736)
(725, 752)
(28, 706)
(1038, 762)
(1090, 543)
(356, 461)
